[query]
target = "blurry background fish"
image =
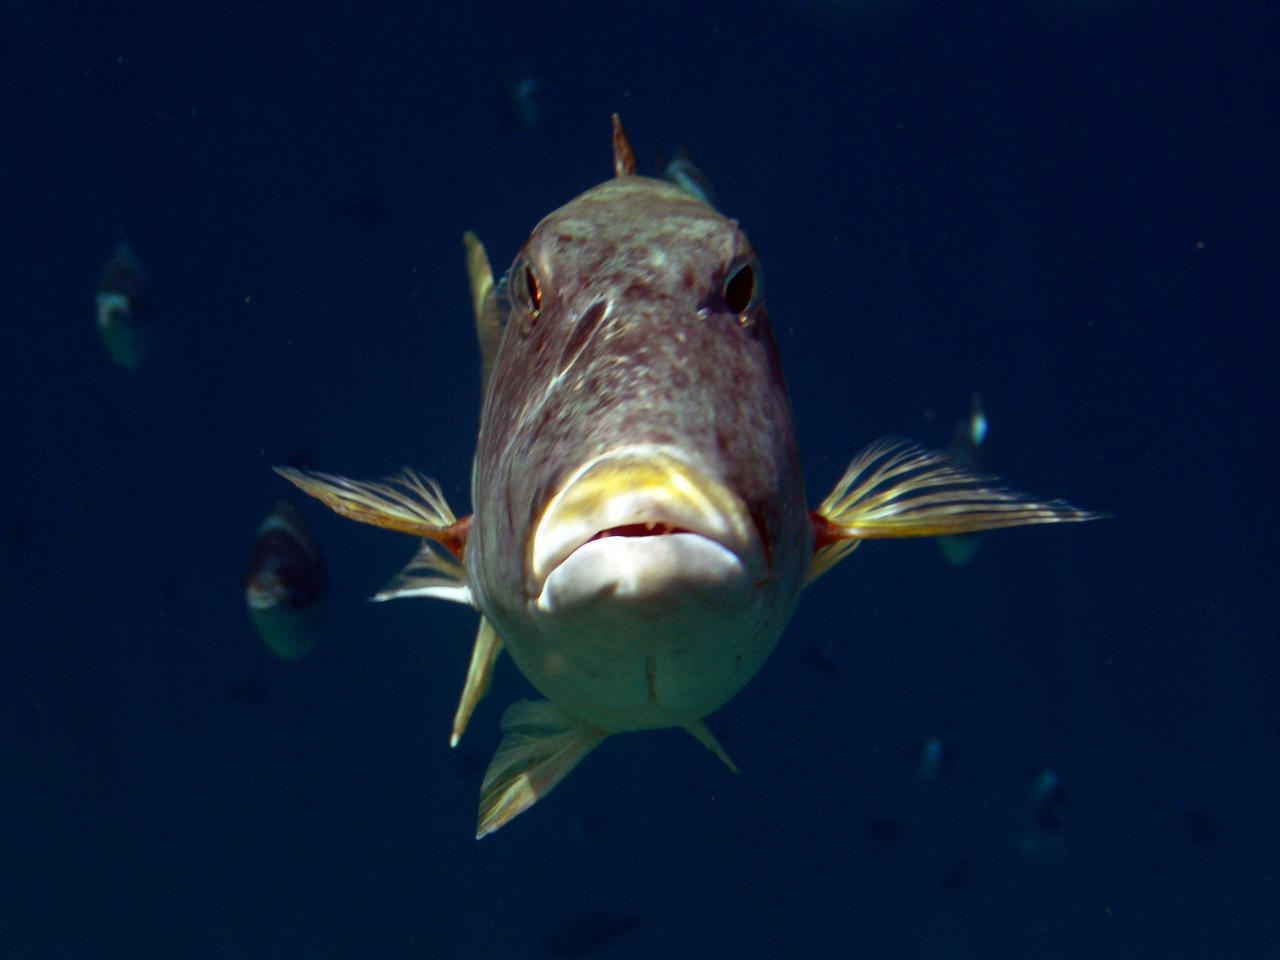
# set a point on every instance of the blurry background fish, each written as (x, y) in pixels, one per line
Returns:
(284, 584)
(685, 174)
(935, 759)
(966, 449)
(125, 306)
(519, 105)
(1041, 830)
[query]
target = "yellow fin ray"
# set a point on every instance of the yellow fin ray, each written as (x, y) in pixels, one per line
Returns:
(406, 503)
(700, 732)
(479, 674)
(433, 572)
(540, 745)
(897, 488)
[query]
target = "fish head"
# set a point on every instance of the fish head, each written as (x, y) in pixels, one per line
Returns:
(640, 533)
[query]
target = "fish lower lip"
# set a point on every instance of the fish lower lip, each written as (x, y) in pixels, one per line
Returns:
(641, 492)
(651, 576)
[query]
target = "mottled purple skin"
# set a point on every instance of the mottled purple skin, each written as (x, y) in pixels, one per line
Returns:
(670, 363)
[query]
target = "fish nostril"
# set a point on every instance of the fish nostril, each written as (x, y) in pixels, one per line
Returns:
(582, 331)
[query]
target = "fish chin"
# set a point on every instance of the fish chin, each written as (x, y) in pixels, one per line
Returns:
(643, 527)
(647, 574)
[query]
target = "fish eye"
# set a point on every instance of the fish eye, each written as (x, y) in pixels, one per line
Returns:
(524, 293)
(740, 288)
(532, 292)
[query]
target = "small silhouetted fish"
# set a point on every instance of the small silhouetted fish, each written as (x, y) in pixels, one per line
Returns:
(685, 174)
(168, 592)
(518, 108)
(470, 766)
(370, 208)
(300, 459)
(958, 875)
(1201, 828)
(1046, 798)
(826, 653)
(936, 759)
(884, 831)
(586, 933)
(284, 584)
(125, 304)
(250, 690)
(966, 449)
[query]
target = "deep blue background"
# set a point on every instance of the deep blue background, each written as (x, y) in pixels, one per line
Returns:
(1069, 206)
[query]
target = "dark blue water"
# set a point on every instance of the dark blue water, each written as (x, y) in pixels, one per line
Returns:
(1069, 206)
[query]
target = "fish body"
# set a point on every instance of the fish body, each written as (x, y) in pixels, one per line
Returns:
(124, 308)
(284, 584)
(685, 174)
(640, 535)
(619, 399)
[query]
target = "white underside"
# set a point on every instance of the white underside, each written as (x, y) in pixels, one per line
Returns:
(642, 572)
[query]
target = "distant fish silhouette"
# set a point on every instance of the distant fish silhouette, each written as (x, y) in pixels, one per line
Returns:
(1201, 828)
(958, 875)
(587, 933)
(518, 108)
(284, 584)
(125, 305)
(936, 759)
(884, 831)
(966, 449)
(367, 208)
(685, 174)
(250, 690)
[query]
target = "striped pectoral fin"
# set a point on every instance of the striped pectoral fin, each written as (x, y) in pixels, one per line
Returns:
(406, 503)
(433, 572)
(479, 675)
(540, 745)
(897, 488)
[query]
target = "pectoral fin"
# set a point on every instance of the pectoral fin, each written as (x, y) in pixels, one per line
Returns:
(897, 488)
(433, 572)
(407, 503)
(483, 655)
(540, 745)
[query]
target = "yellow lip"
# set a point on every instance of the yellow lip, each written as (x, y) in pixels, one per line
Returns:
(641, 487)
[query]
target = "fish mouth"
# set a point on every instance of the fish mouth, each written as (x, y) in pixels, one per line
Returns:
(637, 523)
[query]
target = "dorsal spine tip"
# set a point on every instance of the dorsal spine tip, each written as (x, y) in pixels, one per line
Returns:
(624, 158)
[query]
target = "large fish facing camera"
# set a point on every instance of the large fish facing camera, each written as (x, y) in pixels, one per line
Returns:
(640, 534)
